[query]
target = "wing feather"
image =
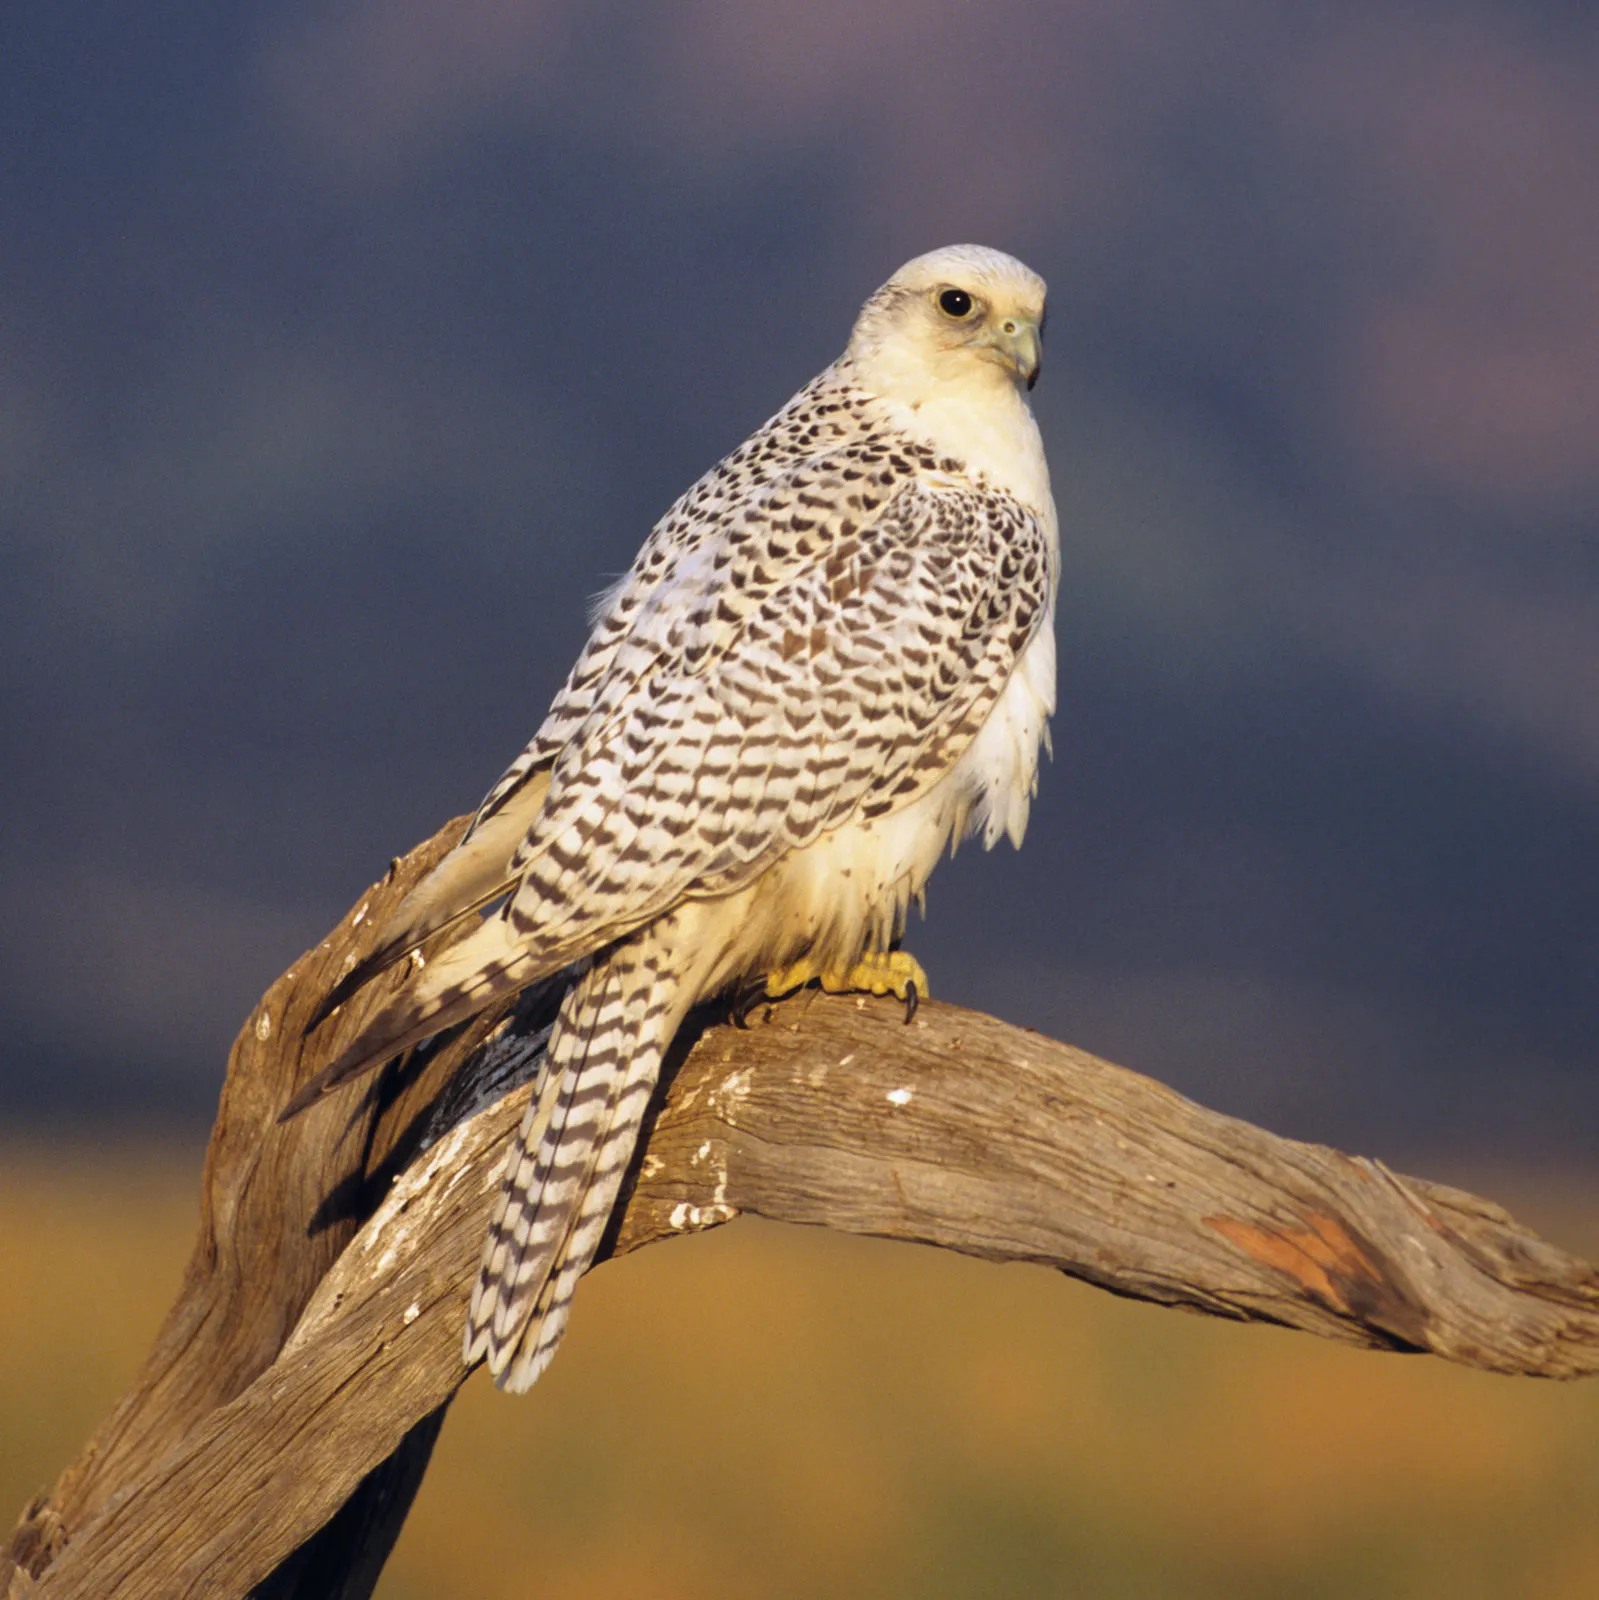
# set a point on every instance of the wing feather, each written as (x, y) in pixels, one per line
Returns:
(860, 694)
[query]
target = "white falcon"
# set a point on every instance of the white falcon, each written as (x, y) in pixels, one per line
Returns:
(832, 658)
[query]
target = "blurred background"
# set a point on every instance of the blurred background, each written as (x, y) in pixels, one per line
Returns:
(348, 346)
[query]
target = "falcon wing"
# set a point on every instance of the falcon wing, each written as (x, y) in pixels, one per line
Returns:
(848, 689)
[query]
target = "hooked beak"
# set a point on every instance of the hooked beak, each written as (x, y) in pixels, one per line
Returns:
(1019, 345)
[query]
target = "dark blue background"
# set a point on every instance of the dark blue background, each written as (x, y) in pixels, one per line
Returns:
(345, 349)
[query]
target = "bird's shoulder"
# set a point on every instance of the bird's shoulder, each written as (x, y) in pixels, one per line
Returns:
(829, 522)
(835, 467)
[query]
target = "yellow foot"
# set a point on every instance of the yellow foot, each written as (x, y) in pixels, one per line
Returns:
(893, 972)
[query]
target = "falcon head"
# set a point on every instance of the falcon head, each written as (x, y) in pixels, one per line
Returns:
(965, 314)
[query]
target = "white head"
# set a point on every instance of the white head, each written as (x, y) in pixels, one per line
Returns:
(963, 317)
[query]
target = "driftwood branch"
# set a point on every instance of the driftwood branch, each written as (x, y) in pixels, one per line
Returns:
(273, 1440)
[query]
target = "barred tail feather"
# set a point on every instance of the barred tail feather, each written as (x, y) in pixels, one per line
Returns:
(564, 1172)
(542, 1332)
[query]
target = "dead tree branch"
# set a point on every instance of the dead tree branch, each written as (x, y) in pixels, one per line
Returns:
(282, 1422)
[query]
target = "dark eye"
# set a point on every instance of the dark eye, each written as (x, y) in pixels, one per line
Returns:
(955, 303)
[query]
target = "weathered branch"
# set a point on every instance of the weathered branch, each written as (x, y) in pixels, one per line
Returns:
(316, 1339)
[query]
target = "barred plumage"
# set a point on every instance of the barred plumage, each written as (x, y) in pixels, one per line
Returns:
(568, 1161)
(833, 656)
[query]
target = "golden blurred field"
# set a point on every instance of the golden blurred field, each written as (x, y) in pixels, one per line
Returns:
(769, 1412)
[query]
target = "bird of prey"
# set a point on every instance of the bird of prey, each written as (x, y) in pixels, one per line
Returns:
(832, 657)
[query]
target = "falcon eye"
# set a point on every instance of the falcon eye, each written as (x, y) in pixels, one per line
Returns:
(955, 303)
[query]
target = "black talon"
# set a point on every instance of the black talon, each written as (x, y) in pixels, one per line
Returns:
(744, 1003)
(912, 1000)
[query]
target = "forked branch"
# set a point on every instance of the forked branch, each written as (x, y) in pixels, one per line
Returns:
(300, 1378)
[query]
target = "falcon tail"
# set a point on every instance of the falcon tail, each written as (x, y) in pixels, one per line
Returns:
(564, 1172)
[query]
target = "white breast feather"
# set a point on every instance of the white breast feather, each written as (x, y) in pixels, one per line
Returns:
(1001, 763)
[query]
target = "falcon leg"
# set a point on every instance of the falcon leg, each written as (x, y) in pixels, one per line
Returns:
(877, 972)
